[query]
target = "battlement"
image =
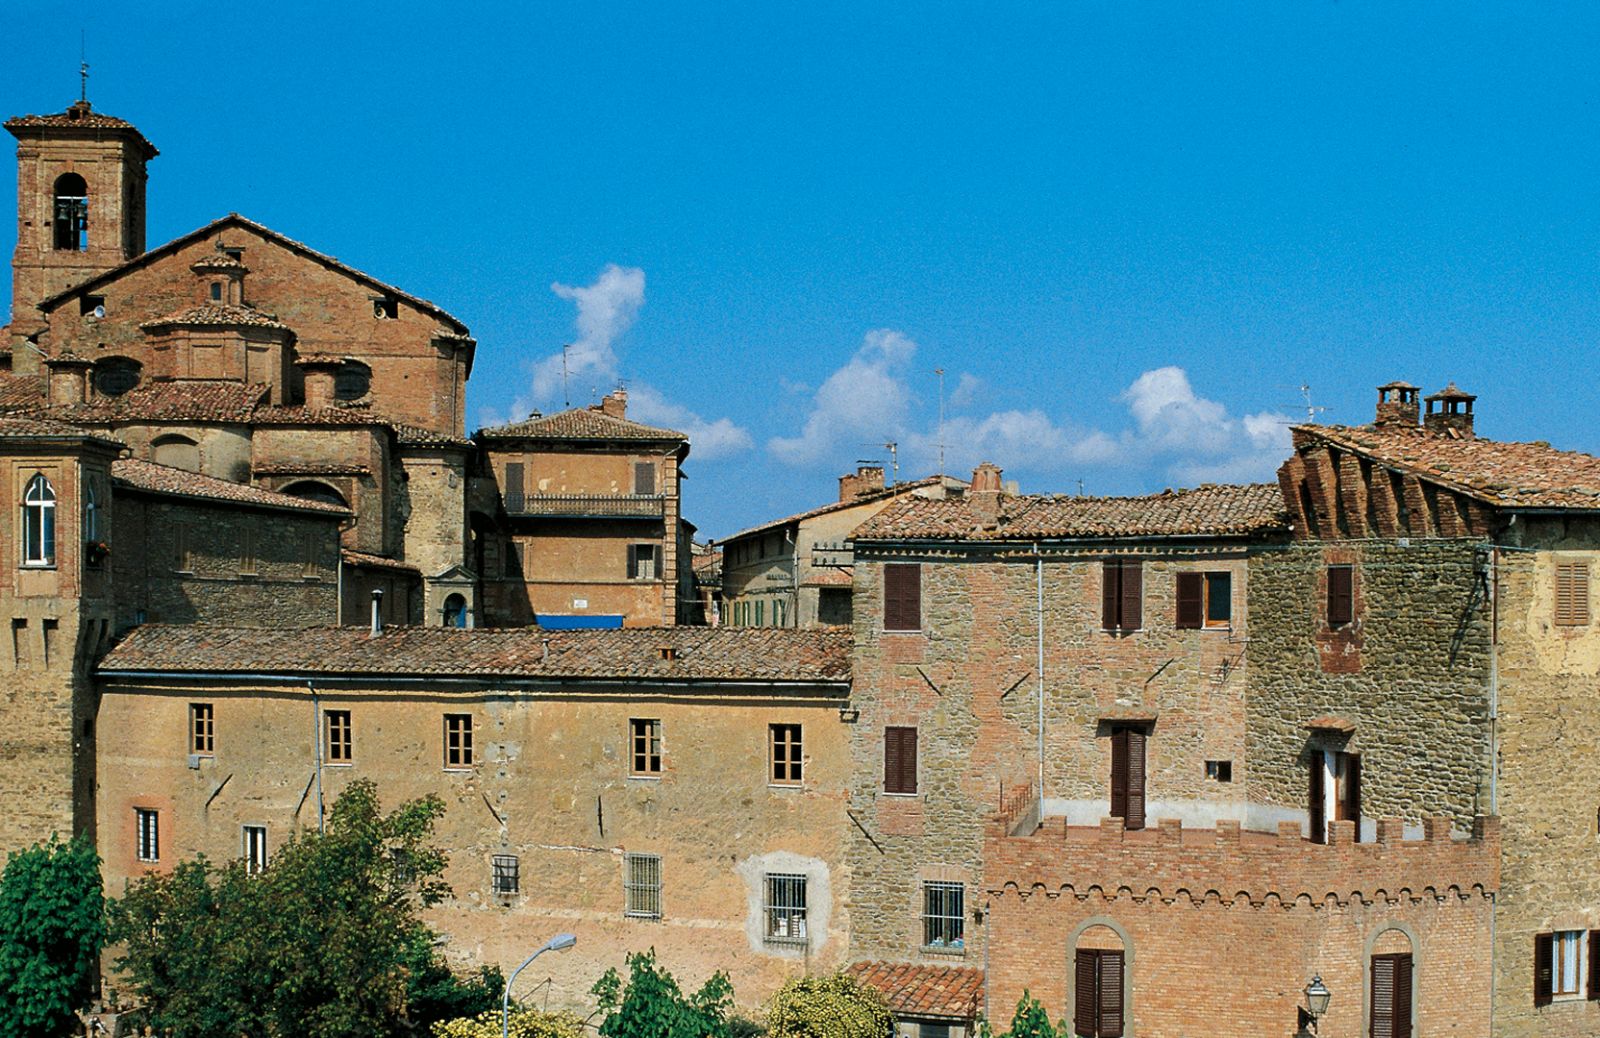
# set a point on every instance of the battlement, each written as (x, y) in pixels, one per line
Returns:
(1228, 864)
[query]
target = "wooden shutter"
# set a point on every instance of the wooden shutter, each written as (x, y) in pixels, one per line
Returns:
(1383, 997)
(644, 477)
(1341, 598)
(1402, 996)
(1594, 965)
(1572, 593)
(1318, 805)
(513, 495)
(900, 760)
(1119, 773)
(1191, 599)
(1085, 1007)
(1543, 978)
(902, 596)
(1135, 778)
(1350, 810)
(1111, 595)
(1132, 617)
(1110, 994)
(633, 562)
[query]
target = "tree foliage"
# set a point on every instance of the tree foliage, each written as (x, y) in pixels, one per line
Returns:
(835, 1006)
(651, 1005)
(324, 943)
(525, 1023)
(52, 927)
(1029, 1021)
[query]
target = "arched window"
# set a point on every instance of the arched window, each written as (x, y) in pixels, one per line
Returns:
(353, 381)
(114, 376)
(91, 512)
(1099, 970)
(71, 220)
(179, 452)
(1391, 986)
(39, 523)
(311, 490)
(455, 611)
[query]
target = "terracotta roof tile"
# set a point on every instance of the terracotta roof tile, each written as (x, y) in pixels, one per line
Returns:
(913, 990)
(1210, 510)
(218, 315)
(27, 427)
(578, 424)
(361, 558)
(170, 401)
(164, 479)
(416, 436)
(886, 494)
(828, 578)
(1509, 475)
(79, 116)
(20, 392)
(728, 654)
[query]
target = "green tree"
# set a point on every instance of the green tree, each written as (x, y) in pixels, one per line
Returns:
(835, 1006)
(434, 993)
(324, 943)
(52, 927)
(652, 1005)
(1029, 1021)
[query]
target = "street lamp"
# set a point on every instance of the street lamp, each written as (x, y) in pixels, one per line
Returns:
(1317, 998)
(560, 942)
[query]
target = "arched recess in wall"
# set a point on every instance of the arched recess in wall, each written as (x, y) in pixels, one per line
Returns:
(180, 452)
(312, 490)
(114, 376)
(70, 215)
(1101, 968)
(455, 611)
(1390, 986)
(353, 381)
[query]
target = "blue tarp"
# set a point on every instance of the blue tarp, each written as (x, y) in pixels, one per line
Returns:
(570, 622)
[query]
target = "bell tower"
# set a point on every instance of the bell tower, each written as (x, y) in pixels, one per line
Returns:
(80, 202)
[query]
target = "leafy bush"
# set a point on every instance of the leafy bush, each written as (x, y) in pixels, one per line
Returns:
(1029, 1021)
(52, 927)
(525, 1023)
(652, 1005)
(834, 1006)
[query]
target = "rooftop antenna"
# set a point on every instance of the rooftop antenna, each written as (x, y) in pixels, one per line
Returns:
(1311, 412)
(1080, 488)
(894, 457)
(83, 65)
(940, 373)
(566, 395)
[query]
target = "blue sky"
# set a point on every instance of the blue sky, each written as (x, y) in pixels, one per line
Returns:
(1127, 232)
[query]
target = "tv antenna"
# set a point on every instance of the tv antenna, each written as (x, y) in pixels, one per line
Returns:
(1311, 411)
(566, 395)
(894, 457)
(940, 373)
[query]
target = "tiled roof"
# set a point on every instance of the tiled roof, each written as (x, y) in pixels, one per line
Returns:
(888, 493)
(235, 220)
(913, 990)
(27, 427)
(828, 578)
(218, 260)
(1509, 475)
(581, 423)
(19, 392)
(172, 402)
(218, 315)
(416, 436)
(164, 479)
(361, 558)
(1207, 511)
(80, 116)
(726, 654)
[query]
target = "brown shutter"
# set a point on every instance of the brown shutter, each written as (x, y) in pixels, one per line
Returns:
(1132, 596)
(644, 477)
(1119, 773)
(1383, 997)
(1110, 994)
(1319, 819)
(1402, 996)
(1594, 965)
(1191, 599)
(1085, 1007)
(1572, 593)
(1135, 779)
(908, 760)
(1341, 599)
(513, 495)
(900, 760)
(1110, 595)
(902, 596)
(1352, 791)
(1543, 980)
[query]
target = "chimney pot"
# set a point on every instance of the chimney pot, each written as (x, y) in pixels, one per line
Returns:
(69, 379)
(615, 403)
(1450, 412)
(866, 479)
(1397, 406)
(984, 494)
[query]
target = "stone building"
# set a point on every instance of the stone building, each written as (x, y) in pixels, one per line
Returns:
(795, 571)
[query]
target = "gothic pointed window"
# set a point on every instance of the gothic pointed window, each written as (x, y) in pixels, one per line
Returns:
(71, 219)
(39, 523)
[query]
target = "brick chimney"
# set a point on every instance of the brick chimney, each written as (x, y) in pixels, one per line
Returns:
(320, 373)
(615, 403)
(69, 379)
(984, 494)
(1397, 406)
(866, 479)
(1450, 412)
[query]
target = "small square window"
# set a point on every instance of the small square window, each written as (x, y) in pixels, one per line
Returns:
(457, 741)
(1219, 770)
(641, 886)
(202, 729)
(645, 737)
(148, 825)
(785, 754)
(506, 879)
(944, 916)
(785, 909)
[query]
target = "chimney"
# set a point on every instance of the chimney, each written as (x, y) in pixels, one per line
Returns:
(1397, 406)
(320, 373)
(377, 612)
(615, 403)
(69, 379)
(1450, 412)
(866, 479)
(984, 494)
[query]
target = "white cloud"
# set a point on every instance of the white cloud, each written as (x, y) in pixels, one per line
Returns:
(709, 439)
(607, 308)
(864, 401)
(1201, 441)
(968, 388)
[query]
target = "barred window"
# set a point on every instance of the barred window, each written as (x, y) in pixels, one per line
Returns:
(340, 742)
(944, 916)
(255, 848)
(785, 909)
(148, 825)
(641, 886)
(202, 729)
(785, 754)
(506, 879)
(458, 740)
(645, 735)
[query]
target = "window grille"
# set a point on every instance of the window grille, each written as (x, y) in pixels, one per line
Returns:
(944, 916)
(506, 878)
(458, 740)
(149, 829)
(646, 745)
(202, 729)
(785, 909)
(255, 848)
(641, 886)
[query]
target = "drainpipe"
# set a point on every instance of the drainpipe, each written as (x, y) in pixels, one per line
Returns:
(1038, 587)
(1494, 680)
(316, 743)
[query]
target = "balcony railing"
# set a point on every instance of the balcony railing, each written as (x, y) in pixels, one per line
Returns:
(588, 506)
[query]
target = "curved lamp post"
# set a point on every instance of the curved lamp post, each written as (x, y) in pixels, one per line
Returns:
(560, 942)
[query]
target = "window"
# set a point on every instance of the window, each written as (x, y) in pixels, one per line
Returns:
(902, 596)
(1097, 1002)
(899, 760)
(1219, 770)
(352, 381)
(641, 886)
(1572, 594)
(1122, 595)
(148, 824)
(944, 916)
(1558, 967)
(340, 745)
(71, 218)
(513, 486)
(1127, 776)
(1391, 996)
(455, 611)
(1205, 600)
(641, 562)
(255, 848)
(181, 560)
(785, 909)
(39, 523)
(114, 376)
(202, 729)
(761, 612)
(312, 490)
(645, 735)
(644, 478)
(1335, 791)
(91, 515)
(458, 740)
(785, 755)
(385, 309)
(91, 305)
(1341, 595)
(247, 549)
(216, 291)
(505, 879)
